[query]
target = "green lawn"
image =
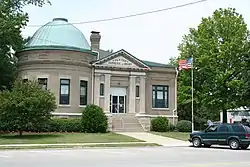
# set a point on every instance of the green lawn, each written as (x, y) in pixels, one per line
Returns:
(54, 138)
(174, 135)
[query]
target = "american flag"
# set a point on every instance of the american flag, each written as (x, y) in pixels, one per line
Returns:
(185, 64)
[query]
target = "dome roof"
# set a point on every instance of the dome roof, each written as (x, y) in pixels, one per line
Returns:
(59, 33)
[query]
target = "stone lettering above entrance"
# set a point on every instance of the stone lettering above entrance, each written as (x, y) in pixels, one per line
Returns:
(120, 62)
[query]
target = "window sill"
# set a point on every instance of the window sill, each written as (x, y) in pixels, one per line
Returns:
(102, 96)
(82, 106)
(160, 109)
(137, 98)
(64, 105)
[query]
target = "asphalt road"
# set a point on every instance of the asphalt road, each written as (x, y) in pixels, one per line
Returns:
(127, 157)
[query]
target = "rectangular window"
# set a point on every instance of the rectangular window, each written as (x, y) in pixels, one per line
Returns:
(160, 96)
(137, 91)
(64, 91)
(83, 92)
(43, 82)
(102, 89)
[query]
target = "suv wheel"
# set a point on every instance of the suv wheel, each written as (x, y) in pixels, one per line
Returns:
(245, 146)
(234, 144)
(196, 142)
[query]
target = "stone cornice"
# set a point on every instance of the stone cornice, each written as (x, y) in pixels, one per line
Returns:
(55, 62)
(120, 68)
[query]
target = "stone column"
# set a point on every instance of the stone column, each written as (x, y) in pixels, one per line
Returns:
(106, 93)
(97, 89)
(142, 94)
(132, 98)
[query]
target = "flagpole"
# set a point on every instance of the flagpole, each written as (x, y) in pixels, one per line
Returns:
(192, 89)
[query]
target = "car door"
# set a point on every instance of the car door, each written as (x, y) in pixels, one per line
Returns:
(210, 135)
(223, 134)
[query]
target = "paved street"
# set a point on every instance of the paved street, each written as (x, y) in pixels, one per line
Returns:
(127, 157)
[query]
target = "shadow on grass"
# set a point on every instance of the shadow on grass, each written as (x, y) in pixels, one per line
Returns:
(28, 136)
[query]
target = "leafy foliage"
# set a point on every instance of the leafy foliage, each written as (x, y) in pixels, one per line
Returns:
(27, 105)
(184, 126)
(159, 124)
(220, 48)
(53, 125)
(12, 20)
(94, 119)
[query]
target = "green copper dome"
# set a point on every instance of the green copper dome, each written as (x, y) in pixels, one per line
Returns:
(59, 33)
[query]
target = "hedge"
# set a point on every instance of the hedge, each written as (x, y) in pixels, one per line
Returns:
(54, 125)
(159, 124)
(184, 126)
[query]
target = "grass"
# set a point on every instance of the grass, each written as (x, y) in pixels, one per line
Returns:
(86, 146)
(55, 138)
(174, 135)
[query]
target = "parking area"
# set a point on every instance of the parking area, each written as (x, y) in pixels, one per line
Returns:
(124, 157)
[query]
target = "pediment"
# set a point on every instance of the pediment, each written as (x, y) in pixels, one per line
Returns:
(121, 59)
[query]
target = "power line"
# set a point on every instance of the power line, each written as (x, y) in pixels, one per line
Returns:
(128, 16)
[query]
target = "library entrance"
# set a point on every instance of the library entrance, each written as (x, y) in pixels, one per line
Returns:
(118, 100)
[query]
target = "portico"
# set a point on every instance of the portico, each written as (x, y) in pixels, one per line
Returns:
(119, 82)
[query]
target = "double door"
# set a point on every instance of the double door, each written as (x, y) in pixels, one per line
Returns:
(118, 103)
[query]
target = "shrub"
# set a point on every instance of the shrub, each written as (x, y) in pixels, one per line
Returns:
(64, 125)
(184, 126)
(159, 124)
(94, 119)
(26, 106)
(171, 127)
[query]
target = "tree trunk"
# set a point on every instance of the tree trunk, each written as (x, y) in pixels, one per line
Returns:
(20, 132)
(224, 116)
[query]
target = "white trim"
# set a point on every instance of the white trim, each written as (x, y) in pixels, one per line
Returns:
(64, 77)
(160, 109)
(74, 114)
(83, 78)
(102, 71)
(64, 105)
(42, 76)
(148, 115)
(68, 114)
(82, 106)
(138, 73)
(25, 77)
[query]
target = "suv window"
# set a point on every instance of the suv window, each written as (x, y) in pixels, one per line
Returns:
(223, 128)
(212, 128)
(238, 128)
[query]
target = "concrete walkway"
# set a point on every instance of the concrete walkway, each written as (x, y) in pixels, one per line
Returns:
(152, 138)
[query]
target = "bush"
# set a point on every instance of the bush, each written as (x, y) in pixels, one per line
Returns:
(159, 124)
(26, 106)
(94, 119)
(171, 127)
(54, 125)
(184, 126)
(65, 125)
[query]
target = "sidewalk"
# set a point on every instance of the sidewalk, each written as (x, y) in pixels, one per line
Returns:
(161, 140)
(71, 144)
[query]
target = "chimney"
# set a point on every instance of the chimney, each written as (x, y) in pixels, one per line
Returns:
(95, 40)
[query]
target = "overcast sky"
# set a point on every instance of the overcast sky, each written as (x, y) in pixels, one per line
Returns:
(152, 37)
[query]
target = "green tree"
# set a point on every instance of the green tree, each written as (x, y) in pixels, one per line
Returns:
(26, 105)
(12, 20)
(220, 48)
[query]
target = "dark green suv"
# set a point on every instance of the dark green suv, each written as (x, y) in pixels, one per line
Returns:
(235, 135)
